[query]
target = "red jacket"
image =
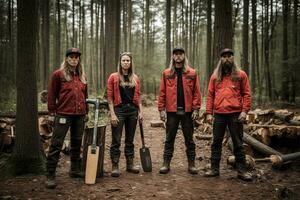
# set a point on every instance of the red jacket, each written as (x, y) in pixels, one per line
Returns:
(167, 99)
(228, 96)
(113, 92)
(66, 97)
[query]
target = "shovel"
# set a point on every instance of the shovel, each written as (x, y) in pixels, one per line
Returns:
(93, 149)
(145, 153)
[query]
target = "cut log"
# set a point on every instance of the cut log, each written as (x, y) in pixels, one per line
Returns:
(262, 148)
(157, 123)
(294, 122)
(13, 115)
(203, 137)
(283, 115)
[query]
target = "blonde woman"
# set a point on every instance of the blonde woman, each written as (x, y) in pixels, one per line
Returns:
(123, 93)
(67, 91)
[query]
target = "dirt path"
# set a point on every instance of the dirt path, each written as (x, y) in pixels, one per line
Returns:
(178, 184)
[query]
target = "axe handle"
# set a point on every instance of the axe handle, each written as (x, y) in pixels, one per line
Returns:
(142, 133)
(96, 103)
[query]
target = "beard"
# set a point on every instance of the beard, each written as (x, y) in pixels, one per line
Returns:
(227, 68)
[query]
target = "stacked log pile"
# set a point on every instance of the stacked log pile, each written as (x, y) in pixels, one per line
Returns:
(260, 129)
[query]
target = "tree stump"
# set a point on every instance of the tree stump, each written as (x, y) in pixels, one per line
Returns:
(87, 140)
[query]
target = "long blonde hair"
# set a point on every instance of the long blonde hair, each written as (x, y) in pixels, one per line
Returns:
(131, 75)
(185, 64)
(66, 68)
(234, 72)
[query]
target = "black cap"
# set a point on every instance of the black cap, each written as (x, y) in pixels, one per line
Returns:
(73, 50)
(226, 50)
(178, 49)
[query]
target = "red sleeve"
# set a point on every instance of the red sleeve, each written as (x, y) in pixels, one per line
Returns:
(162, 94)
(110, 88)
(245, 92)
(197, 94)
(210, 95)
(86, 97)
(53, 92)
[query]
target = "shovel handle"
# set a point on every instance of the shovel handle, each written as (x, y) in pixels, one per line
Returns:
(142, 133)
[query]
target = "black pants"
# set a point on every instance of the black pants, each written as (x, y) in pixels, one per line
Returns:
(173, 121)
(236, 132)
(61, 126)
(127, 115)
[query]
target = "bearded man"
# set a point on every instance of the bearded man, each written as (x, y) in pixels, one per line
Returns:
(228, 101)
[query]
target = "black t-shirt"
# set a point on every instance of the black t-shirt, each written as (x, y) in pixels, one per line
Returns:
(126, 92)
(180, 94)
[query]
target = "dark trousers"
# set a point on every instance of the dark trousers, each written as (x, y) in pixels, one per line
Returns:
(127, 115)
(61, 126)
(236, 132)
(173, 121)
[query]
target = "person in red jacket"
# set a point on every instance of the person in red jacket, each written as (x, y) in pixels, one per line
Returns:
(67, 91)
(228, 100)
(123, 94)
(179, 102)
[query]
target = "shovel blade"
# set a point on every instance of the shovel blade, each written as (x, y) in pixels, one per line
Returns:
(91, 165)
(146, 159)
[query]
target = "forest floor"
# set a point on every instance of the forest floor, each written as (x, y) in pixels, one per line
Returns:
(178, 184)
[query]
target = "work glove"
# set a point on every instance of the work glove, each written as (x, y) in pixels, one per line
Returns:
(209, 118)
(242, 117)
(195, 115)
(162, 115)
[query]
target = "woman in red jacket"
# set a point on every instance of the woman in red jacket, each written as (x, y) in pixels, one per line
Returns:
(123, 93)
(67, 91)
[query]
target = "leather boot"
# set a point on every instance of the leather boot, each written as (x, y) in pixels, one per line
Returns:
(130, 167)
(50, 181)
(192, 168)
(75, 170)
(214, 169)
(242, 173)
(115, 171)
(166, 167)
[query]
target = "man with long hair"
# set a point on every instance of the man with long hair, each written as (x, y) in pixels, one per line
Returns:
(179, 102)
(228, 99)
(67, 91)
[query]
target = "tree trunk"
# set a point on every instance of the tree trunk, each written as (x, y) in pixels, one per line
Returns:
(45, 42)
(168, 32)
(27, 150)
(285, 66)
(254, 59)
(57, 35)
(112, 35)
(222, 28)
(295, 51)
(209, 66)
(245, 62)
(103, 80)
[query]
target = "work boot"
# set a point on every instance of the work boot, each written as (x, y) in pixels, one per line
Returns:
(191, 168)
(115, 172)
(50, 182)
(214, 169)
(75, 170)
(243, 174)
(130, 167)
(166, 167)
